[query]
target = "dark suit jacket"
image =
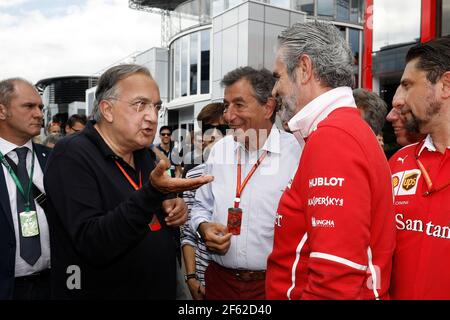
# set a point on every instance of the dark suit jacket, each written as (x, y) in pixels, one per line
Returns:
(7, 235)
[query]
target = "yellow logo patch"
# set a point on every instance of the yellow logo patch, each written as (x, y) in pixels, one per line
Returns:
(395, 181)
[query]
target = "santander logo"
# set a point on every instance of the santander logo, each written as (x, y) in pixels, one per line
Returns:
(429, 228)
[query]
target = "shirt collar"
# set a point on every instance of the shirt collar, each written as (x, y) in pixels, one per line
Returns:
(6, 146)
(105, 150)
(307, 119)
(272, 144)
(428, 143)
(97, 139)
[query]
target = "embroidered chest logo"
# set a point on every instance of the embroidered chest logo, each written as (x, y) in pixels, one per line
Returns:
(405, 183)
(402, 160)
(409, 181)
(395, 181)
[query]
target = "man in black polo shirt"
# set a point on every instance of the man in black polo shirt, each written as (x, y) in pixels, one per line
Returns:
(109, 235)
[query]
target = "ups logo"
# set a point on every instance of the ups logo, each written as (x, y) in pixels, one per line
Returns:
(410, 181)
(395, 181)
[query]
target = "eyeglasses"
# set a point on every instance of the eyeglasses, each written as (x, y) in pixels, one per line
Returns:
(141, 105)
(166, 134)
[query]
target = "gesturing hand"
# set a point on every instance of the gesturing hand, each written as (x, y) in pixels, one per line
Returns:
(165, 184)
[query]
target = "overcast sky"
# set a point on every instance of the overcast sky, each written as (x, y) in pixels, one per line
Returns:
(395, 22)
(47, 38)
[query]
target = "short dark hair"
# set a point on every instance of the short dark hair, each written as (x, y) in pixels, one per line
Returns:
(165, 128)
(212, 112)
(262, 82)
(81, 118)
(434, 57)
(374, 108)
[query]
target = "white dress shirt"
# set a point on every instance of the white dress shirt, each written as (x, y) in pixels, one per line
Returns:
(22, 267)
(259, 200)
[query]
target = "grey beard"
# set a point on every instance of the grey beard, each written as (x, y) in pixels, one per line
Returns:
(287, 110)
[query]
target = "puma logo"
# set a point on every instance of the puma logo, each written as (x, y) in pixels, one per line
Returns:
(402, 159)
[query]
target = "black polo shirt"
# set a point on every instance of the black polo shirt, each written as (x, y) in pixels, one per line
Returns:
(99, 223)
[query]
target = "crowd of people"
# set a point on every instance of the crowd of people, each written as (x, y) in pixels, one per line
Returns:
(54, 131)
(310, 209)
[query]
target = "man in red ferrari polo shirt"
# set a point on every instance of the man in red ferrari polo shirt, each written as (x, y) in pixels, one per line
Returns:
(421, 176)
(335, 227)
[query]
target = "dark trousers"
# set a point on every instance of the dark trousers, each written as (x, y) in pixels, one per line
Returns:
(33, 287)
(223, 284)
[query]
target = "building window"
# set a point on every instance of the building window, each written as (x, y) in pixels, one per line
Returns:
(305, 6)
(325, 8)
(356, 10)
(445, 17)
(343, 10)
(171, 71)
(353, 39)
(176, 68)
(343, 31)
(184, 66)
(193, 64)
(204, 58)
(189, 57)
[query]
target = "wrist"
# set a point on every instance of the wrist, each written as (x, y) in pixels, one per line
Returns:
(189, 276)
(199, 232)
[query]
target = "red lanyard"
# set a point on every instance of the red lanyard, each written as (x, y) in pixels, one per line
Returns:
(154, 225)
(131, 181)
(240, 187)
(427, 177)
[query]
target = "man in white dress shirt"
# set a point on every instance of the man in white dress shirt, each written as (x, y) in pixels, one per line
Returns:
(24, 236)
(235, 213)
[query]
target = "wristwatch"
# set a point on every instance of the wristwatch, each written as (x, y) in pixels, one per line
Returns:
(198, 231)
(189, 276)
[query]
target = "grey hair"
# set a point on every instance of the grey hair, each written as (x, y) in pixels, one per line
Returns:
(107, 84)
(52, 138)
(7, 89)
(262, 82)
(323, 43)
(374, 108)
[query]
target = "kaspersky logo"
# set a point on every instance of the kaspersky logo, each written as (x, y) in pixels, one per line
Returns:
(409, 181)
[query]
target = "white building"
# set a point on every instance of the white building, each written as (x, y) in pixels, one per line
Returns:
(206, 39)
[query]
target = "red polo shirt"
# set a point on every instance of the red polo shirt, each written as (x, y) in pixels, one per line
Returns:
(422, 257)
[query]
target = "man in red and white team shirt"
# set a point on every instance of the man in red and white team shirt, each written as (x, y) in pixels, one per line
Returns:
(421, 176)
(335, 227)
